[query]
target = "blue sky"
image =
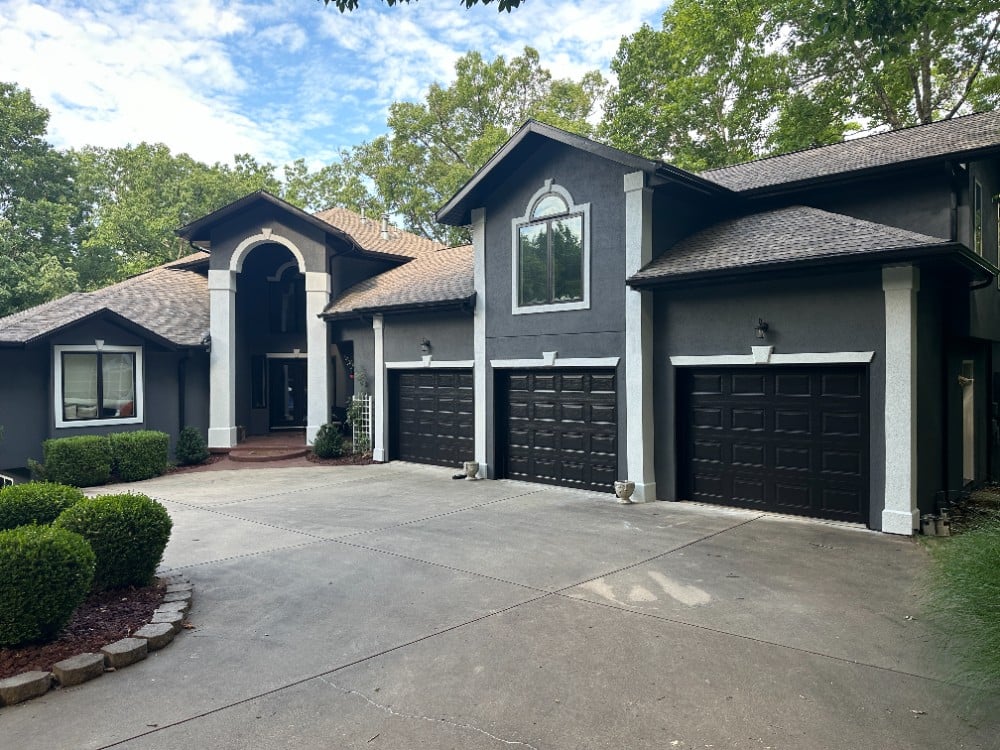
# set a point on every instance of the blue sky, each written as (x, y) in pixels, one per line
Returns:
(279, 79)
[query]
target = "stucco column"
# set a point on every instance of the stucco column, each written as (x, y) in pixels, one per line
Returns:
(380, 394)
(222, 359)
(639, 340)
(480, 375)
(900, 284)
(318, 379)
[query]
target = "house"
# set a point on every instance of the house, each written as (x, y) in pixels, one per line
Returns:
(812, 333)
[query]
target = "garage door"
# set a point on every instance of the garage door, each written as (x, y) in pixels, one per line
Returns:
(431, 417)
(777, 439)
(559, 427)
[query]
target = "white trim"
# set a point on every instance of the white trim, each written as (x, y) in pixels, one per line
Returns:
(287, 355)
(431, 363)
(138, 397)
(480, 375)
(281, 270)
(516, 223)
(380, 392)
(266, 236)
(900, 514)
(798, 358)
(222, 359)
(318, 353)
(523, 364)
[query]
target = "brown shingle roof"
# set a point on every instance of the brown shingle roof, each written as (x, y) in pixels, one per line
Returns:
(437, 277)
(780, 237)
(945, 138)
(368, 234)
(169, 301)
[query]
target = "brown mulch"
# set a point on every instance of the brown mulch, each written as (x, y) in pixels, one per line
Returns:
(103, 618)
(351, 459)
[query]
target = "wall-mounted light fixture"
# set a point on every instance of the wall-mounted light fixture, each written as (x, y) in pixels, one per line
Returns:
(760, 330)
(425, 346)
(206, 342)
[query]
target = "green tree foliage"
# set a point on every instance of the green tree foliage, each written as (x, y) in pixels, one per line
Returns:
(433, 147)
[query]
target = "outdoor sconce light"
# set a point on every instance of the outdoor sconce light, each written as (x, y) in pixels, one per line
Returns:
(206, 342)
(760, 330)
(425, 346)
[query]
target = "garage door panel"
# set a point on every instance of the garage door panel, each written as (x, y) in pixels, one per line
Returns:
(789, 439)
(431, 416)
(605, 443)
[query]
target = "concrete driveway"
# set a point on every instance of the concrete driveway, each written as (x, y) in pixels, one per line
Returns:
(392, 607)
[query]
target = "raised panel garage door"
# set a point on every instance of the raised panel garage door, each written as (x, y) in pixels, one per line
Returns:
(431, 417)
(559, 427)
(791, 440)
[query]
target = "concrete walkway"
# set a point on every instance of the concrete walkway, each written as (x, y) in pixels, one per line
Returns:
(392, 607)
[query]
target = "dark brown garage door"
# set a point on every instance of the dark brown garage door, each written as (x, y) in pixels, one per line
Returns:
(431, 418)
(786, 440)
(559, 427)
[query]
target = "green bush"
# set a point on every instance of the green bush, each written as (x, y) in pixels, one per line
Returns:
(140, 454)
(35, 502)
(329, 443)
(965, 601)
(127, 532)
(81, 461)
(44, 575)
(191, 447)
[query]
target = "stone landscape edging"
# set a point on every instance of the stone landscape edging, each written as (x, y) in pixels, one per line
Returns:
(166, 622)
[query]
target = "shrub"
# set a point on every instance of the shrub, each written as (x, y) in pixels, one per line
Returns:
(81, 461)
(45, 573)
(35, 502)
(329, 443)
(140, 454)
(965, 600)
(191, 447)
(127, 532)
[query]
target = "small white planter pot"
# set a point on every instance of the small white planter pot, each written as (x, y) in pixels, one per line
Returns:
(471, 469)
(623, 491)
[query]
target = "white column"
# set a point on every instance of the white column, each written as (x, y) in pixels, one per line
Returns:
(318, 379)
(380, 394)
(222, 360)
(480, 374)
(639, 340)
(900, 284)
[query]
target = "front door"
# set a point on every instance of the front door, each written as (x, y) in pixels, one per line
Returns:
(287, 393)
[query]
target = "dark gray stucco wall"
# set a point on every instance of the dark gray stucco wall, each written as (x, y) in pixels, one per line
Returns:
(24, 406)
(359, 332)
(932, 402)
(227, 236)
(984, 304)
(450, 334)
(838, 312)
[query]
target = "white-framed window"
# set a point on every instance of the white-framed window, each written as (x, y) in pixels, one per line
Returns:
(97, 385)
(551, 253)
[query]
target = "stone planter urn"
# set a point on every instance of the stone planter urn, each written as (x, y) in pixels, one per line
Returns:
(471, 469)
(623, 491)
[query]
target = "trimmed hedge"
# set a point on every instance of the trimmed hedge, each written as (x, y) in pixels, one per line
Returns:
(140, 454)
(81, 461)
(35, 502)
(45, 573)
(191, 447)
(329, 443)
(127, 533)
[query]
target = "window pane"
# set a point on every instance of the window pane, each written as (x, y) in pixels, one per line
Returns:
(533, 266)
(550, 205)
(119, 384)
(567, 259)
(79, 376)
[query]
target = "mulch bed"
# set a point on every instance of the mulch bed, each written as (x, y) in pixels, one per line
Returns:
(351, 459)
(103, 618)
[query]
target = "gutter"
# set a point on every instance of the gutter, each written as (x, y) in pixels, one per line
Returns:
(464, 304)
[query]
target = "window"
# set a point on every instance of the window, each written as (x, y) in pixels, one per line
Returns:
(977, 219)
(97, 385)
(551, 253)
(287, 302)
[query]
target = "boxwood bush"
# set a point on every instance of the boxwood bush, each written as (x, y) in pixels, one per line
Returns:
(191, 447)
(45, 573)
(140, 454)
(329, 443)
(127, 533)
(35, 502)
(81, 461)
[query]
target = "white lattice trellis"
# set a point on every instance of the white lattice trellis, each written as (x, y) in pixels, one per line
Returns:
(361, 422)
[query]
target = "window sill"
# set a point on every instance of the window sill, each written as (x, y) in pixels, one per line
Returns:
(552, 307)
(64, 425)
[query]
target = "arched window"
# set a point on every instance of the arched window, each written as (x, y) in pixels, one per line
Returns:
(551, 253)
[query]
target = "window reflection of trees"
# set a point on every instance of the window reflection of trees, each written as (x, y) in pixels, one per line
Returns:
(550, 255)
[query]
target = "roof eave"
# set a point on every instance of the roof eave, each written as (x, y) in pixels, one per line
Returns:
(115, 318)
(436, 305)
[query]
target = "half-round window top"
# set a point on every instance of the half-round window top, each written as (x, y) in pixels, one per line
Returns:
(549, 205)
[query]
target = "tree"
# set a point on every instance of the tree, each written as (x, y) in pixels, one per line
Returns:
(336, 184)
(39, 222)
(502, 5)
(433, 147)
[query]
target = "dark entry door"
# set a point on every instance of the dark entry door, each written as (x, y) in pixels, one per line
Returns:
(433, 416)
(559, 427)
(287, 393)
(791, 440)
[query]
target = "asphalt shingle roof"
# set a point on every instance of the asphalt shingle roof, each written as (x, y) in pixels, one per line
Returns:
(170, 301)
(437, 277)
(785, 235)
(945, 138)
(368, 234)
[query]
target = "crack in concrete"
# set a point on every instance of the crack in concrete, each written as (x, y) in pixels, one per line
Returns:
(433, 719)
